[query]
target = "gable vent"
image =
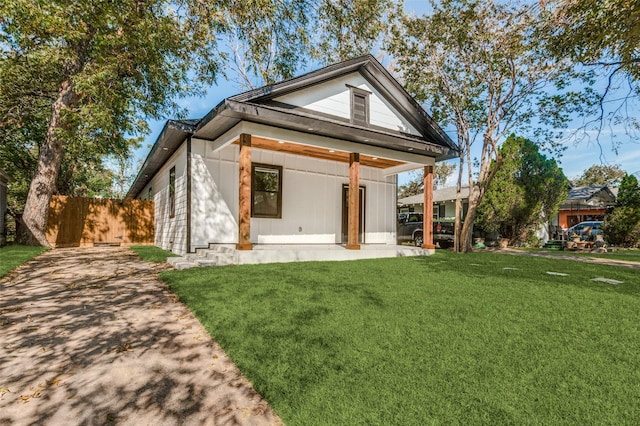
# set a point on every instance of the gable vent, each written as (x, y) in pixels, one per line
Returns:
(359, 106)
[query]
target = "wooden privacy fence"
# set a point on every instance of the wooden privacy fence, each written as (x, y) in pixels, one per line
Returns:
(82, 222)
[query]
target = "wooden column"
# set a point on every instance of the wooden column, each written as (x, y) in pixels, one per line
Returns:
(244, 208)
(353, 242)
(427, 242)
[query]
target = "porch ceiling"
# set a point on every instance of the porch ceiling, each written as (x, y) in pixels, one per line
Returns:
(319, 152)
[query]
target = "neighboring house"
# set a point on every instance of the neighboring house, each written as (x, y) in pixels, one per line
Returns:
(444, 202)
(310, 160)
(585, 203)
(4, 180)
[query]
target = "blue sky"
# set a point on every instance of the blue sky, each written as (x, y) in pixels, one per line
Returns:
(581, 152)
(584, 148)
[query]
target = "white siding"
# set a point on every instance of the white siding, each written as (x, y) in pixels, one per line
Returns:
(334, 98)
(311, 202)
(214, 183)
(170, 233)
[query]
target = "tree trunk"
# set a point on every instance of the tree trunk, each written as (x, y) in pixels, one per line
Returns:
(477, 191)
(34, 220)
(457, 230)
(467, 227)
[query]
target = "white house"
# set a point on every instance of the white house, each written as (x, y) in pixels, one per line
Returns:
(444, 202)
(310, 160)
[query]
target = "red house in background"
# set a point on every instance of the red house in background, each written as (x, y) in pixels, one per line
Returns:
(586, 203)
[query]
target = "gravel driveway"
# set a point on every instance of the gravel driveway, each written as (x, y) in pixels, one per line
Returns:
(92, 336)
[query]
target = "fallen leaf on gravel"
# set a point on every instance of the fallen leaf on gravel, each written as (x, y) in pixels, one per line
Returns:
(123, 348)
(36, 393)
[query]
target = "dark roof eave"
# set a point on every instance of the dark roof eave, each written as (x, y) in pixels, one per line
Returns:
(171, 137)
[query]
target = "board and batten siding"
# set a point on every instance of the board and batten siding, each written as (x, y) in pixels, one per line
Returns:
(311, 200)
(334, 98)
(170, 232)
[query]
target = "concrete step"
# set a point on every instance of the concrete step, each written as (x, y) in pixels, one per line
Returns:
(205, 262)
(222, 248)
(184, 265)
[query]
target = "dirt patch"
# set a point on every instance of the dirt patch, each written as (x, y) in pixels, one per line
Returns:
(92, 336)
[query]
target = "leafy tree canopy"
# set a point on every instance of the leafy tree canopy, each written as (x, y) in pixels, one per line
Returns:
(348, 28)
(602, 36)
(600, 175)
(525, 193)
(629, 192)
(480, 67)
(622, 225)
(594, 32)
(77, 78)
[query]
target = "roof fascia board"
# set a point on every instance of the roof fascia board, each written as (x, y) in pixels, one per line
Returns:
(397, 95)
(305, 80)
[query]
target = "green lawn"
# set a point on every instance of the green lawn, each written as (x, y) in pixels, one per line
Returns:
(446, 339)
(13, 256)
(152, 253)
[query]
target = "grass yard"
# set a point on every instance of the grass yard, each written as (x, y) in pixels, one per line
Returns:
(481, 338)
(13, 256)
(152, 253)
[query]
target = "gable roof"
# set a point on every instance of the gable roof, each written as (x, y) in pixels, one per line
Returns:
(589, 192)
(589, 196)
(259, 106)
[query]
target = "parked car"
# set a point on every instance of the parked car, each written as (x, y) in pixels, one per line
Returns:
(410, 229)
(585, 230)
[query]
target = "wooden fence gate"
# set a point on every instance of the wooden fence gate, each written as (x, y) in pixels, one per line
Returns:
(82, 222)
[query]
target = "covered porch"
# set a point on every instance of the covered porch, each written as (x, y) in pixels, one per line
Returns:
(281, 141)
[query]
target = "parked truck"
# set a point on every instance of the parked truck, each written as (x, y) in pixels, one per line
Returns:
(410, 229)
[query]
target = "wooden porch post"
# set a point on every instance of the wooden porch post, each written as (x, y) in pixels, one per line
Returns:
(353, 242)
(244, 208)
(427, 242)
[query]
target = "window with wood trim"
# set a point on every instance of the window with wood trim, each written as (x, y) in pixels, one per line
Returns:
(266, 191)
(172, 192)
(359, 106)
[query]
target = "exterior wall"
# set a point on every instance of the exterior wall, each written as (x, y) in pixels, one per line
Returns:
(214, 194)
(311, 200)
(568, 218)
(334, 98)
(170, 232)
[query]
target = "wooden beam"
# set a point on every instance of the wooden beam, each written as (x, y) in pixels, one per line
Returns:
(427, 242)
(353, 242)
(244, 208)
